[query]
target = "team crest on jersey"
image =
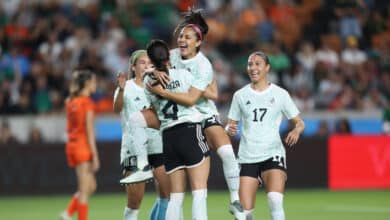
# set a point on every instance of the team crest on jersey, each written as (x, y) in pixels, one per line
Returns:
(248, 102)
(188, 69)
(137, 99)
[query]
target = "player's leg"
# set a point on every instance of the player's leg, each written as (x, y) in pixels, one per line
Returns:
(195, 152)
(249, 182)
(248, 189)
(274, 181)
(220, 141)
(73, 204)
(71, 208)
(162, 184)
(139, 121)
(138, 148)
(175, 204)
(135, 194)
(86, 186)
(198, 177)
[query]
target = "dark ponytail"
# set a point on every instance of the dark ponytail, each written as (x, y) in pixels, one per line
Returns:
(193, 16)
(158, 53)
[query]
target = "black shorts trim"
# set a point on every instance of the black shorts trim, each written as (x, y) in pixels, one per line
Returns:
(256, 169)
(156, 160)
(211, 121)
(184, 146)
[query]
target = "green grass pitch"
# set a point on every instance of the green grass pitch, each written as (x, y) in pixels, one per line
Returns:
(299, 205)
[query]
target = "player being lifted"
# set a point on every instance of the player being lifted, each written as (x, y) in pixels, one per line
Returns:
(260, 107)
(191, 33)
(184, 145)
(130, 97)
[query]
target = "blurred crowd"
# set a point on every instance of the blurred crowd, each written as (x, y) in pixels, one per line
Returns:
(330, 55)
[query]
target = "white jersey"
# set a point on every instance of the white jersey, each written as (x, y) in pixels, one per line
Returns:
(202, 72)
(134, 99)
(170, 113)
(261, 115)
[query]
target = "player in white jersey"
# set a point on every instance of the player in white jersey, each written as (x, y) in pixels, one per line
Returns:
(260, 107)
(130, 97)
(191, 32)
(184, 145)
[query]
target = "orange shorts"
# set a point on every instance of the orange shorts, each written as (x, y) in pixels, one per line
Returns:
(77, 156)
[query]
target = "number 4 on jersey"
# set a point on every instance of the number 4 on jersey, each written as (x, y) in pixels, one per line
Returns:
(170, 110)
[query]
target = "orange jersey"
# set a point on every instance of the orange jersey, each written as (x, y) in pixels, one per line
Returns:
(76, 114)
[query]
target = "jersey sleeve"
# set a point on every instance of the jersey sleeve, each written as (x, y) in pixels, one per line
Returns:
(203, 78)
(235, 111)
(290, 110)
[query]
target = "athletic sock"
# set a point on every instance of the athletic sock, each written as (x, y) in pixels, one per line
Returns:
(199, 204)
(155, 210)
(72, 206)
(130, 214)
(162, 208)
(230, 170)
(249, 214)
(82, 210)
(275, 203)
(175, 206)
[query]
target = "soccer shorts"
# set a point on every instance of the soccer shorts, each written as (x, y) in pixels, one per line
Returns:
(156, 160)
(76, 156)
(255, 169)
(211, 121)
(184, 146)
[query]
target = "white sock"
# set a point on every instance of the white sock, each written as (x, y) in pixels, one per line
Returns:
(249, 214)
(199, 204)
(230, 170)
(275, 203)
(175, 206)
(130, 214)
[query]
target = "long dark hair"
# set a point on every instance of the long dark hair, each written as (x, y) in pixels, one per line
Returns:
(194, 17)
(158, 53)
(79, 78)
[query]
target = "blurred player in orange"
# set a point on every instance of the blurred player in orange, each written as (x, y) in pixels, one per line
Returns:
(81, 151)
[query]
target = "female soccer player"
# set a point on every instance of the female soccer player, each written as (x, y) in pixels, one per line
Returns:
(260, 106)
(81, 151)
(192, 31)
(184, 146)
(130, 97)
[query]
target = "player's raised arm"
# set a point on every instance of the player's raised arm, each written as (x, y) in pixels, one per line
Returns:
(118, 97)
